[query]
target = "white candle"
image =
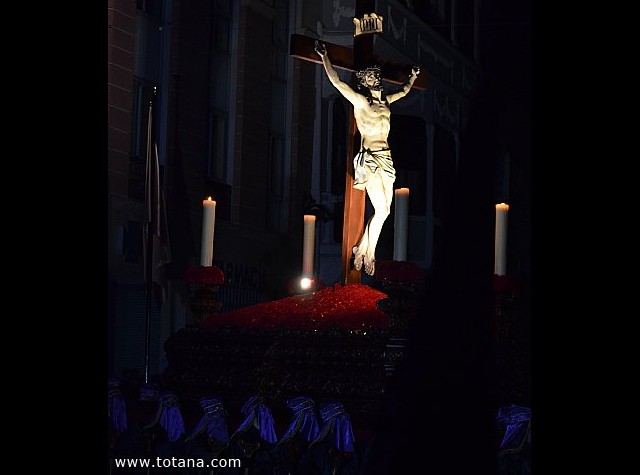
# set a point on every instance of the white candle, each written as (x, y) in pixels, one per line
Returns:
(500, 258)
(308, 245)
(208, 225)
(400, 224)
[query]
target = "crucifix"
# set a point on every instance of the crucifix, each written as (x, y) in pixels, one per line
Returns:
(369, 118)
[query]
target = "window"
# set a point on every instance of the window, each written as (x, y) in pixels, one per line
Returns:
(221, 26)
(217, 163)
(408, 142)
(465, 26)
(142, 94)
(275, 183)
(152, 8)
(219, 91)
(221, 35)
(338, 147)
(338, 157)
(276, 168)
(436, 14)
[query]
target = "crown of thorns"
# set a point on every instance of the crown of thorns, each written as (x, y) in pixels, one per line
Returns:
(363, 72)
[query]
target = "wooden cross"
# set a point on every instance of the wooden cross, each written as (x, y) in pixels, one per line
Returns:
(354, 59)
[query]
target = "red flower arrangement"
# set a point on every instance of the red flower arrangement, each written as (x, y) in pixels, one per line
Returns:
(351, 306)
(405, 272)
(208, 275)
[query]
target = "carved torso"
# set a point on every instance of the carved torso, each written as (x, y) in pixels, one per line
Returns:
(374, 122)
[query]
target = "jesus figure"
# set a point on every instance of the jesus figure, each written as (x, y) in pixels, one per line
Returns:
(372, 165)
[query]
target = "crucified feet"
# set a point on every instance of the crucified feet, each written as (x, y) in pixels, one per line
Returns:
(362, 258)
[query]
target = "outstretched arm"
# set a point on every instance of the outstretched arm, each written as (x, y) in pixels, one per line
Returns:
(407, 86)
(332, 74)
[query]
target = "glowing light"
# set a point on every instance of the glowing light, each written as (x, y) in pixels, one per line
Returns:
(305, 283)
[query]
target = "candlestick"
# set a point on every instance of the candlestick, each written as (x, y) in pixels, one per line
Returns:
(308, 245)
(500, 258)
(208, 225)
(400, 224)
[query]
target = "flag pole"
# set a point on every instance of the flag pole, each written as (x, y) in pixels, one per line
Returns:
(149, 254)
(147, 325)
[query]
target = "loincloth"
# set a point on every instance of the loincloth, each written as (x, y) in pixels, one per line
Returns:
(367, 162)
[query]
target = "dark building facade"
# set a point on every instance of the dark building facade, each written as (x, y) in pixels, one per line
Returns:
(232, 117)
